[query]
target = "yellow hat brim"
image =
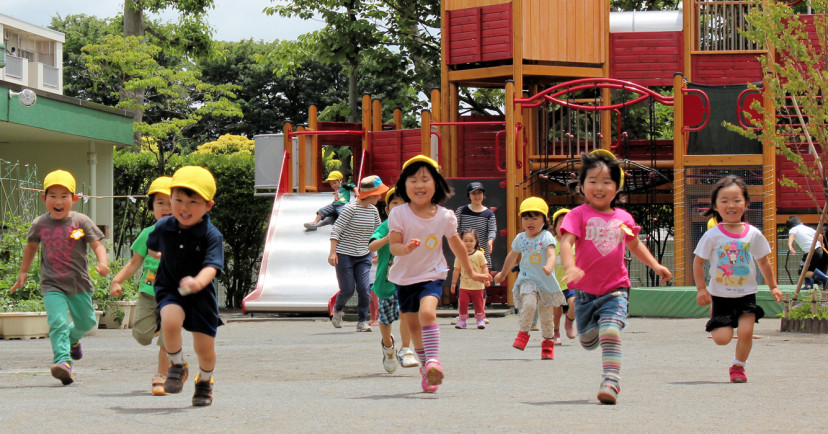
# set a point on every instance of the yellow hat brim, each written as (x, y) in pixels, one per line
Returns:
(609, 154)
(421, 158)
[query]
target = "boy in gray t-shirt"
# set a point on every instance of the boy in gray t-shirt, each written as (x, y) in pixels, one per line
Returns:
(64, 279)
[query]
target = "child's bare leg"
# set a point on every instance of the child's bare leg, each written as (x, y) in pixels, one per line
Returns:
(723, 335)
(412, 319)
(317, 219)
(163, 361)
(557, 313)
(205, 349)
(405, 333)
(172, 320)
(745, 334)
(428, 311)
(385, 330)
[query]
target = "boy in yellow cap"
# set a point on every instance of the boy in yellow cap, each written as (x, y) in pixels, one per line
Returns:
(64, 277)
(192, 255)
(342, 195)
(145, 325)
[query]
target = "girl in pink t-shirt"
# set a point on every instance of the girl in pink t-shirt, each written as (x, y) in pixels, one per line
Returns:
(417, 229)
(598, 274)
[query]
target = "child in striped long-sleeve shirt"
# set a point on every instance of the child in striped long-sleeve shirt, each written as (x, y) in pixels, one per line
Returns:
(349, 250)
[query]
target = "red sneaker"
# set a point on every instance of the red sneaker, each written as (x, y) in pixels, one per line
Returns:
(547, 350)
(737, 374)
(521, 340)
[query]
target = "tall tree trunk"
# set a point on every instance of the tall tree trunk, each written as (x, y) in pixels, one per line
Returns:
(353, 99)
(134, 26)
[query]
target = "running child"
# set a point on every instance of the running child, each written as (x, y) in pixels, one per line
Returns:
(64, 276)
(417, 229)
(146, 324)
(191, 251)
(349, 250)
(569, 307)
(535, 288)
(734, 249)
(598, 274)
(342, 195)
(389, 306)
(470, 289)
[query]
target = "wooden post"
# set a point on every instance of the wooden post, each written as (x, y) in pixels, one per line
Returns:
(689, 25)
(437, 116)
(376, 112)
(769, 183)
(511, 176)
(366, 126)
(678, 184)
(454, 116)
(287, 128)
(397, 119)
(425, 135)
(302, 159)
(313, 124)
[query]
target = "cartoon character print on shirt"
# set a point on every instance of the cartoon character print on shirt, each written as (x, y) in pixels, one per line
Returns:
(733, 263)
(605, 235)
(532, 248)
(57, 245)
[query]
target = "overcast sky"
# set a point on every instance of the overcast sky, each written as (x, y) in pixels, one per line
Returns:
(232, 20)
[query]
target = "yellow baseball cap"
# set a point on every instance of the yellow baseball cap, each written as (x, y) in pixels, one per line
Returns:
(197, 179)
(334, 175)
(612, 156)
(422, 158)
(59, 177)
(160, 185)
(390, 193)
(559, 213)
(534, 204)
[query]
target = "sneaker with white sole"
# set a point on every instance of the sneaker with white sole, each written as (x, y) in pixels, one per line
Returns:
(363, 326)
(407, 358)
(455, 320)
(336, 319)
(389, 361)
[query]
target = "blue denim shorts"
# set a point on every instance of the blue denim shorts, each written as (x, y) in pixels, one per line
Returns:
(410, 295)
(590, 309)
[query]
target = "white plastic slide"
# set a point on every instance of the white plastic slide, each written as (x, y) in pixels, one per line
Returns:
(295, 275)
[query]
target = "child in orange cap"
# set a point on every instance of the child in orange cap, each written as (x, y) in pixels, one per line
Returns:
(192, 255)
(146, 322)
(64, 276)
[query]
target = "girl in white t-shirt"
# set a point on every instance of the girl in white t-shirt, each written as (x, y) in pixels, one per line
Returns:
(734, 249)
(417, 229)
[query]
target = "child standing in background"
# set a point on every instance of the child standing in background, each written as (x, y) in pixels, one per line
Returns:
(569, 308)
(349, 250)
(389, 306)
(191, 251)
(417, 229)
(734, 249)
(598, 274)
(64, 275)
(146, 324)
(535, 287)
(470, 289)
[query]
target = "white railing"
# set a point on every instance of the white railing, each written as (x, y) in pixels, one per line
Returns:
(14, 66)
(51, 76)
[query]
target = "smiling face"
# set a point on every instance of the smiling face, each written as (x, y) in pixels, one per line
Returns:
(420, 187)
(731, 203)
(59, 201)
(532, 223)
(189, 210)
(470, 241)
(477, 197)
(599, 188)
(161, 206)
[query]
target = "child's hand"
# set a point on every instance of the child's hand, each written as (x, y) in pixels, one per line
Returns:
(102, 269)
(499, 277)
(20, 282)
(548, 270)
(480, 277)
(115, 289)
(663, 272)
(453, 287)
(413, 244)
(703, 297)
(776, 293)
(573, 274)
(188, 285)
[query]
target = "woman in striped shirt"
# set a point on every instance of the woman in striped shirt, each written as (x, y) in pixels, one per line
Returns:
(349, 250)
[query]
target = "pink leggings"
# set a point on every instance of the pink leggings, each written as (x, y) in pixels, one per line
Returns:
(476, 296)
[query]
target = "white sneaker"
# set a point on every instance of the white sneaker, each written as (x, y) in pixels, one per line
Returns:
(389, 362)
(336, 319)
(363, 326)
(455, 320)
(407, 358)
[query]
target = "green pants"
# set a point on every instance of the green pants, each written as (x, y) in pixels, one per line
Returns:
(63, 333)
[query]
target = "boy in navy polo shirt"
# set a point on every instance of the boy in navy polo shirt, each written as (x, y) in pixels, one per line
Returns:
(192, 255)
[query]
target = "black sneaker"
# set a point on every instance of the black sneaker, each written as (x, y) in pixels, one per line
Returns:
(76, 352)
(176, 376)
(203, 395)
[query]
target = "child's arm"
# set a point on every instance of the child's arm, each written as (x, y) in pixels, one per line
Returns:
(703, 297)
(459, 250)
(508, 263)
(399, 249)
(573, 273)
(791, 245)
(29, 253)
(549, 268)
(377, 243)
(197, 283)
(767, 272)
(100, 252)
(128, 271)
(455, 275)
(640, 251)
